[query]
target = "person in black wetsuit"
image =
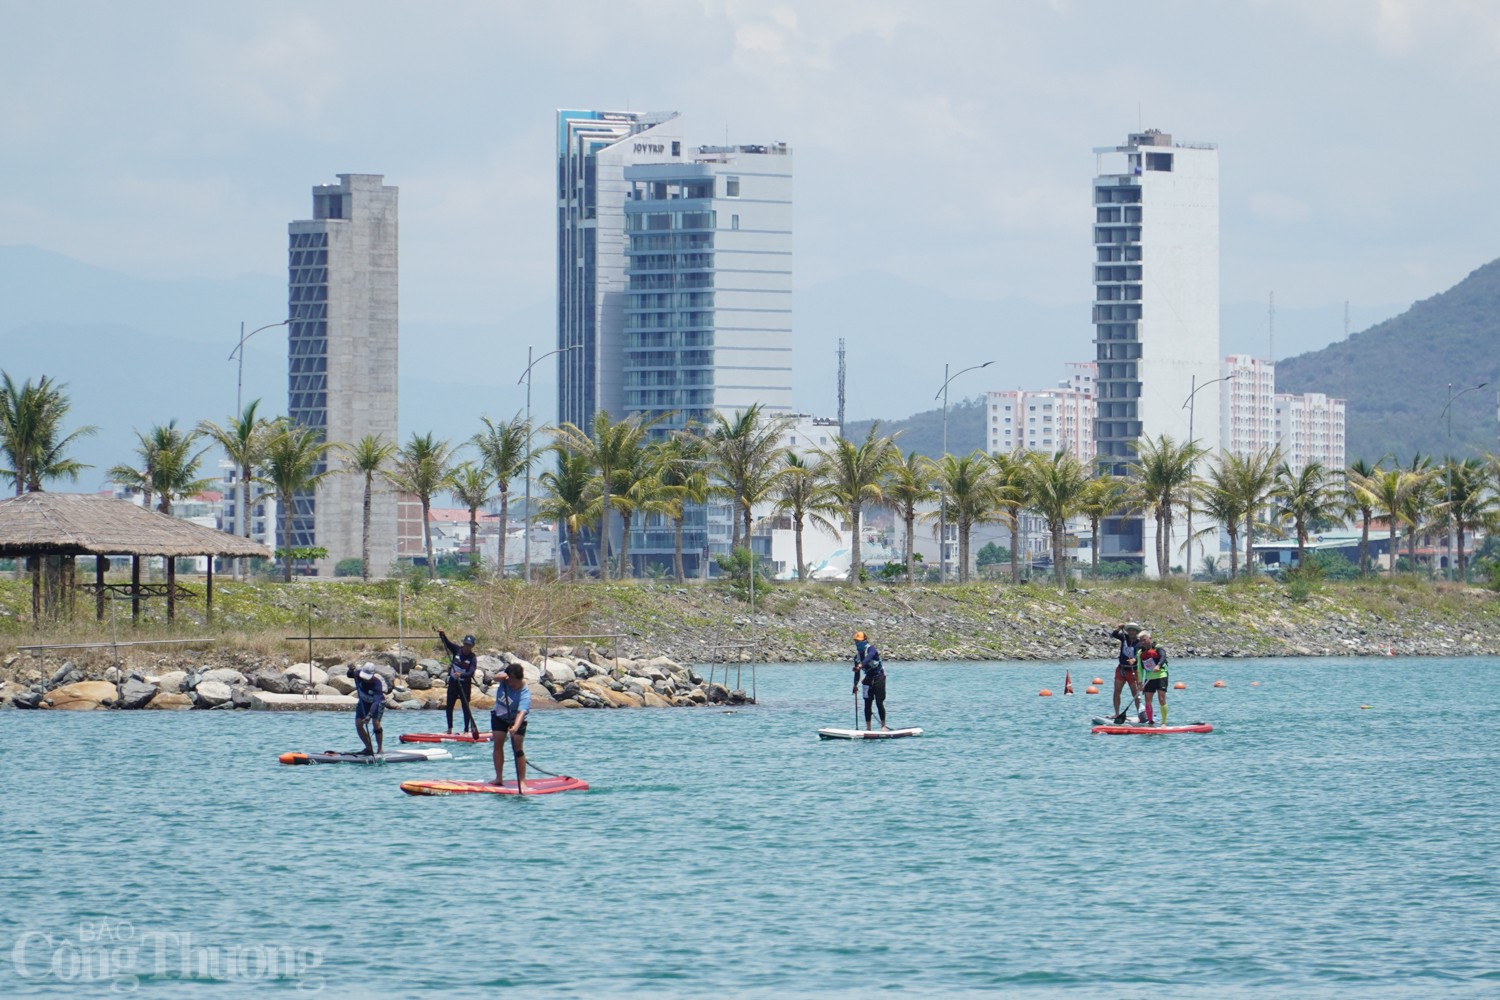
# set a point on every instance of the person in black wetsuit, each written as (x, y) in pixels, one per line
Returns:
(462, 664)
(1127, 669)
(867, 660)
(370, 692)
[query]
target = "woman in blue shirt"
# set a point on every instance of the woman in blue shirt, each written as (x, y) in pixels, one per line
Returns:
(508, 719)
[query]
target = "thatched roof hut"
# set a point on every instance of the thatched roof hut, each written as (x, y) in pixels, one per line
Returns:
(68, 525)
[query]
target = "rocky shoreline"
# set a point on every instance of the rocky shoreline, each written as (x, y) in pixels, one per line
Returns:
(581, 678)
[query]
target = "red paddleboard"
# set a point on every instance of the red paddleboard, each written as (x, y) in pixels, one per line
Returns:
(534, 786)
(1140, 730)
(444, 738)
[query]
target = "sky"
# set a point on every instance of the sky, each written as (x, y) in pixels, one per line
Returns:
(945, 143)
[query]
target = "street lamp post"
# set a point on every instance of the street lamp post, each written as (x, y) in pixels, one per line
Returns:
(1191, 407)
(942, 512)
(526, 377)
(1448, 518)
(242, 509)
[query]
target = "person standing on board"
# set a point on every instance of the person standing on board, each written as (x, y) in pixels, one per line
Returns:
(867, 660)
(1126, 633)
(1153, 664)
(508, 721)
(462, 664)
(370, 693)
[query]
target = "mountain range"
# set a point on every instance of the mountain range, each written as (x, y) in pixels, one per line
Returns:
(136, 352)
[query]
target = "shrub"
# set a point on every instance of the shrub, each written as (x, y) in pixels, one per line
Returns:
(350, 567)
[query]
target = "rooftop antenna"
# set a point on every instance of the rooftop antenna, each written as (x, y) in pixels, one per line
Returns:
(841, 387)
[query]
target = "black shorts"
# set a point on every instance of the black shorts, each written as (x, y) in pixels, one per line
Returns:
(873, 688)
(1156, 684)
(364, 711)
(499, 725)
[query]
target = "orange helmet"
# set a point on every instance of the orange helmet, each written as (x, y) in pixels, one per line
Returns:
(859, 637)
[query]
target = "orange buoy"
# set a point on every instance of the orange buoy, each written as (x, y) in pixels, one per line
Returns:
(1098, 680)
(1179, 686)
(1045, 693)
(1255, 684)
(1219, 684)
(1068, 682)
(1091, 690)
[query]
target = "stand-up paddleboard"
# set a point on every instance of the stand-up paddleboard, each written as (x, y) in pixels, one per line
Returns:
(534, 786)
(445, 738)
(360, 757)
(1142, 729)
(867, 734)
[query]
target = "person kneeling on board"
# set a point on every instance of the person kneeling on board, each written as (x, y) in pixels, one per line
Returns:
(508, 719)
(867, 659)
(370, 692)
(462, 664)
(1153, 664)
(1126, 668)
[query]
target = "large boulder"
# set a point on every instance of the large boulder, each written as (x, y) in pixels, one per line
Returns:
(212, 694)
(226, 675)
(418, 680)
(170, 701)
(66, 674)
(81, 696)
(341, 684)
(556, 671)
(306, 673)
(137, 694)
(170, 682)
(271, 680)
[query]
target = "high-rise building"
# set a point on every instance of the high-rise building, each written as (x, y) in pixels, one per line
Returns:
(1310, 428)
(1247, 405)
(1156, 311)
(343, 339)
(1048, 420)
(593, 150)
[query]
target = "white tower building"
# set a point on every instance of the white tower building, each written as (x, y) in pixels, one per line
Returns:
(1247, 405)
(1156, 312)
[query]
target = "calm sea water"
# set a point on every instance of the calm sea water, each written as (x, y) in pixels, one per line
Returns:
(1308, 847)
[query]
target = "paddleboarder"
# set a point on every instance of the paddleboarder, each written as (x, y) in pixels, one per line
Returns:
(370, 693)
(1126, 667)
(508, 719)
(867, 661)
(462, 665)
(1153, 665)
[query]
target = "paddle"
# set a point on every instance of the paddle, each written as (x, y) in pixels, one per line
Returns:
(1136, 698)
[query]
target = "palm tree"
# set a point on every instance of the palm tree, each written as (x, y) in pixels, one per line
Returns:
(1103, 495)
(1470, 502)
(1219, 497)
(504, 450)
(471, 486)
(30, 433)
(746, 449)
(1164, 480)
(1389, 488)
(971, 493)
(1360, 503)
(1421, 504)
(639, 490)
(852, 476)
(908, 487)
(368, 457)
(1305, 498)
(1055, 487)
(169, 466)
(801, 496)
(680, 466)
(1010, 486)
(609, 448)
(243, 440)
(1253, 479)
(293, 463)
(421, 469)
(572, 500)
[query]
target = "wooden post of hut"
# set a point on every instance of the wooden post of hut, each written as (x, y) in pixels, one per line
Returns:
(135, 590)
(171, 562)
(100, 564)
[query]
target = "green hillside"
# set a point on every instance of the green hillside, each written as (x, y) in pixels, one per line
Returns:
(923, 432)
(1396, 375)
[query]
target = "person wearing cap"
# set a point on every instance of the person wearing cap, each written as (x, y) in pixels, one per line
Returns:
(867, 662)
(1126, 669)
(370, 692)
(1153, 666)
(508, 721)
(462, 665)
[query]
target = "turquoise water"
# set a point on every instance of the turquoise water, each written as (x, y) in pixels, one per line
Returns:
(1308, 847)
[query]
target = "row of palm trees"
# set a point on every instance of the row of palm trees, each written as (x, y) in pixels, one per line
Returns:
(634, 470)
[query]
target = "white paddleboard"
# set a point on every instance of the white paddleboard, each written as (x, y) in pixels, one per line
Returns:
(867, 734)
